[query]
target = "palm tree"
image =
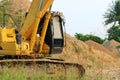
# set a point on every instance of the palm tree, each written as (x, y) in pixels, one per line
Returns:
(113, 13)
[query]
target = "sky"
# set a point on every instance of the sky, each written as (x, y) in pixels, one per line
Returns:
(84, 16)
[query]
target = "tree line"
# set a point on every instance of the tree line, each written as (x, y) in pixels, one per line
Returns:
(111, 16)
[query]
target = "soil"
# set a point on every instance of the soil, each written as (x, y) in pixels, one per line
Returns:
(113, 46)
(93, 56)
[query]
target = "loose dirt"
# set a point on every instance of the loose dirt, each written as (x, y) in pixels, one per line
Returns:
(113, 46)
(93, 56)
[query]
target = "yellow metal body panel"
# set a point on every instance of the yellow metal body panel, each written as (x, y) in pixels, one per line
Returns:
(9, 46)
(7, 35)
(8, 52)
(11, 52)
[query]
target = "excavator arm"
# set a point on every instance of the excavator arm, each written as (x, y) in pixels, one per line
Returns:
(31, 29)
(38, 9)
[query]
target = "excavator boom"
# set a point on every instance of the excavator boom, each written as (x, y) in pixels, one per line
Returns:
(42, 7)
(37, 9)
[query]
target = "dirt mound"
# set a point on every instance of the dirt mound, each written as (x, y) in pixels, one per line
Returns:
(113, 46)
(99, 47)
(17, 10)
(89, 56)
(19, 6)
(73, 50)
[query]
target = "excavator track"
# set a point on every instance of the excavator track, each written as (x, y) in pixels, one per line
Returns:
(51, 68)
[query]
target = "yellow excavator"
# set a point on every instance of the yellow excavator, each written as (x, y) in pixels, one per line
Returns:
(41, 33)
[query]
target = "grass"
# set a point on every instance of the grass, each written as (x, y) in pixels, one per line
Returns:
(86, 77)
(13, 75)
(21, 72)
